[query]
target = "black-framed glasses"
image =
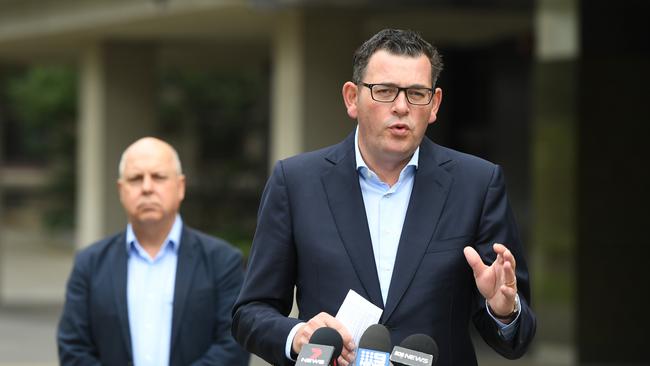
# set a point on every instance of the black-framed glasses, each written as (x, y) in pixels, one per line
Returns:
(388, 93)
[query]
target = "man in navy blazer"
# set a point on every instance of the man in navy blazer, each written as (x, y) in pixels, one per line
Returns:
(411, 226)
(159, 293)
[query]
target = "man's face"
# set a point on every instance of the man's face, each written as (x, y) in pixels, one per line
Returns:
(151, 189)
(390, 132)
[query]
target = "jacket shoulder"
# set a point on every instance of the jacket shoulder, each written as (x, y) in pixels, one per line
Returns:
(454, 160)
(100, 247)
(309, 158)
(210, 244)
(312, 163)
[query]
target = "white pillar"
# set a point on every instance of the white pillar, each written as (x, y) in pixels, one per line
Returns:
(287, 88)
(116, 106)
(557, 30)
(90, 147)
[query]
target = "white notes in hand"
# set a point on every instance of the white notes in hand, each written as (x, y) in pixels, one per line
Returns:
(357, 314)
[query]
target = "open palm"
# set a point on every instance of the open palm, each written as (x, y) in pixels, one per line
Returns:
(496, 282)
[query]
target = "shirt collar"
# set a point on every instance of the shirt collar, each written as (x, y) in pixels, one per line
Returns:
(173, 237)
(362, 164)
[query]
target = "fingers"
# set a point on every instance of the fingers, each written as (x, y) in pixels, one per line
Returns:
(508, 281)
(509, 284)
(347, 353)
(504, 253)
(474, 261)
(302, 337)
(506, 259)
(332, 322)
(323, 319)
(509, 276)
(341, 361)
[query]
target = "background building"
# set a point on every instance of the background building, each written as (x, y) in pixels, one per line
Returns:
(554, 91)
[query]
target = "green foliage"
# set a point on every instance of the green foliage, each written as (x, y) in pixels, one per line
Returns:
(227, 115)
(43, 99)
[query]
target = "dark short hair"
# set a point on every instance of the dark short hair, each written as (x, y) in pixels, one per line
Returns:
(397, 42)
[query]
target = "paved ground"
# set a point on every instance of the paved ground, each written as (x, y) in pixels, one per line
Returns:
(32, 280)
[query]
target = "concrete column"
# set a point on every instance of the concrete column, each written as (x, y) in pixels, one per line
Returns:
(90, 150)
(553, 176)
(287, 87)
(116, 105)
(328, 65)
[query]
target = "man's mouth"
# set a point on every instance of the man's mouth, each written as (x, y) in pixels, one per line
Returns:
(399, 128)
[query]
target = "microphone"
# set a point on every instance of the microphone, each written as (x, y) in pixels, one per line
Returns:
(374, 347)
(415, 350)
(324, 347)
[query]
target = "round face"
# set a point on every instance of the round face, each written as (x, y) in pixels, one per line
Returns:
(151, 189)
(390, 132)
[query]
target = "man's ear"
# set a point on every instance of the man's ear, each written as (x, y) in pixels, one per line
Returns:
(120, 185)
(436, 100)
(350, 91)
(181, 187)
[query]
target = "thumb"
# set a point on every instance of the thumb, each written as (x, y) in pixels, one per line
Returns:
(474, 261)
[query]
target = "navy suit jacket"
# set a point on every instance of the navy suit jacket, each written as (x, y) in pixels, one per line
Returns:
(312, 233)
(94, 326)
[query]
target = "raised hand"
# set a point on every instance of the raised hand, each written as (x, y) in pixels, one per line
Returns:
(497, 282)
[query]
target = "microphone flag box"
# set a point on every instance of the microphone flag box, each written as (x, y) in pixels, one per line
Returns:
(409, 357)
(315, 354)
(368, 357)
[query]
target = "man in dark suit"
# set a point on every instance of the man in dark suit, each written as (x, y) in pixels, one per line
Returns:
(411, 226)
(159, 293)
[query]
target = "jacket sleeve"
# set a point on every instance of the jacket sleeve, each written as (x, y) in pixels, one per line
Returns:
(75, 343)
(497, 225)
(260, 321)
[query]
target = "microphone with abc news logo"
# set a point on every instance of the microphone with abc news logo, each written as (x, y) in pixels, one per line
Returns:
(324, 347)
(415, 350)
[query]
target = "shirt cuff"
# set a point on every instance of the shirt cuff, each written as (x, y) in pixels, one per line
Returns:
(506, 331)
(287, 347)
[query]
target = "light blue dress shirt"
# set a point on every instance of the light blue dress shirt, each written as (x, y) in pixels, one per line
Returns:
(150, 297)
(386, 210)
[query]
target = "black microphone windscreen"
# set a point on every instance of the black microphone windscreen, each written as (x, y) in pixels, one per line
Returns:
(377, 338)
(422, 343)
(328, 337)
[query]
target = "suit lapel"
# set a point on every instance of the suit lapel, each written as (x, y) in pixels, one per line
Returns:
(188, 258)
(341, 184)
(430, 190)
(119, 261)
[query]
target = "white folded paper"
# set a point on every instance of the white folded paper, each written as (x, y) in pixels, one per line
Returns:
(357, 314)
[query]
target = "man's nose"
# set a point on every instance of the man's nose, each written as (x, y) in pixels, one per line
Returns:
(147, 183)
(401, 104)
